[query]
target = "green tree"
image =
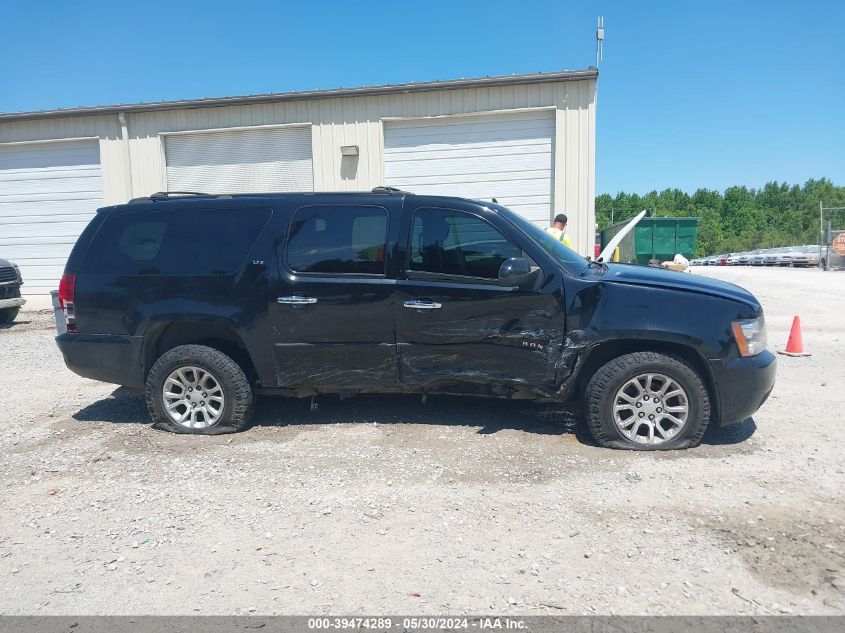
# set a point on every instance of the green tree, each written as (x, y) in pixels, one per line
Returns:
(739, 218)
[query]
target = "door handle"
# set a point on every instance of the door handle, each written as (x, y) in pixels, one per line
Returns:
(297, 300)
(422, 305)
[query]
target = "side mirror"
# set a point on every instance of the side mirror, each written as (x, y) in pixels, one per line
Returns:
(516, 273)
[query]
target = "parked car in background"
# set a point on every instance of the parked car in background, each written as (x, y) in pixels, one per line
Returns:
(732, 259)
(772, 257)
(758, 258)
(787, 255)
(388, 292)
(806, 256)
(10, 291)
(743, 259)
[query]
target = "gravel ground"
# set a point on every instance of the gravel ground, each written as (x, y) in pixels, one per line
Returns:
(385, 505)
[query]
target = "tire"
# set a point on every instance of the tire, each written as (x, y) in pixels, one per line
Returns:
(604, 394)
(7, 316)
(199, 365)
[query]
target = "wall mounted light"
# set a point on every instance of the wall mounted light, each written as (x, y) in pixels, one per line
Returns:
(349, 150)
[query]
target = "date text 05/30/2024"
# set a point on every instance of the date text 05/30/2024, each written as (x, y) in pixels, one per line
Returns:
(417, 623)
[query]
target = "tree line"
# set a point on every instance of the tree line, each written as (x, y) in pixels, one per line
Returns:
(738, 219)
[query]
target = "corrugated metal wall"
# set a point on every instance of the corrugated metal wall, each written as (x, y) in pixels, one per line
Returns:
(337, 122)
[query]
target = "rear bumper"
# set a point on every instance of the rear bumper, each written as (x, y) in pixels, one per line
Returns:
(16, 302)
(105, 357)
(743, 385)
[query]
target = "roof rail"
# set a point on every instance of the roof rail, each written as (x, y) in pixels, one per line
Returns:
(168, 195)
(383, 189)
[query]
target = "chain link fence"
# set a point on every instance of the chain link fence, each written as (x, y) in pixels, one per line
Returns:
(833, 252)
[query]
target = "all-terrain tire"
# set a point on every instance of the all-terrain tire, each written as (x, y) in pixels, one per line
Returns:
(238, 398)
(606, 382)
(7, 316)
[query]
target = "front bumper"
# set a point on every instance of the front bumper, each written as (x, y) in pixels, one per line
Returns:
(15, 302)
(106, 357)
(743, 385)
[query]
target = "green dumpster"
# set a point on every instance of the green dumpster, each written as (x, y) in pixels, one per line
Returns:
(655, 238)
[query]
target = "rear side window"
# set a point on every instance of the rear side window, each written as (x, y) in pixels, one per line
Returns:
(338, 239)
(175, 242)
(450, 242)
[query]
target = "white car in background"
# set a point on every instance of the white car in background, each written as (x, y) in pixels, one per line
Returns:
(744, 259)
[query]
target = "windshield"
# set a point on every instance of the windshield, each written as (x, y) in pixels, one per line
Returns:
(563, 255)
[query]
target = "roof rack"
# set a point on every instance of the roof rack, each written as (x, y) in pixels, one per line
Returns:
(159, 196)
(383, 189)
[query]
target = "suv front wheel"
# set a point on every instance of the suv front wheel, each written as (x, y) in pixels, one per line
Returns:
(647, 401)
(198, 389)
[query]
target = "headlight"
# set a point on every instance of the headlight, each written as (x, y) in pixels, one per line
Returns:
(750, 335)
(18, 272)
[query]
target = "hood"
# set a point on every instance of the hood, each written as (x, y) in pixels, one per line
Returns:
(5, 263)
(673, 280)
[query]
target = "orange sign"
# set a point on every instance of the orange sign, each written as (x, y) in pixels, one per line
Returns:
(839, 244)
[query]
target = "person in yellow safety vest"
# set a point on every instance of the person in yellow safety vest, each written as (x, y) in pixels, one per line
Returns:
(558, 229)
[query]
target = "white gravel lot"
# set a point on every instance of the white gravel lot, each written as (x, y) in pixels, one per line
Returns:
(384, 505)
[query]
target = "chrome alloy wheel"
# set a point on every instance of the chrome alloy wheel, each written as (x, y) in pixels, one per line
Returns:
(193, 397)
(650, 408)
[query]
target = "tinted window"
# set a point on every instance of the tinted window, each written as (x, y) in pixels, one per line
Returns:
(338, 239)
(455, 243)
(175, 242)
(563, 255)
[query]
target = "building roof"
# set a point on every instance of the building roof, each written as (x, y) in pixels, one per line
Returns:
(273, 97)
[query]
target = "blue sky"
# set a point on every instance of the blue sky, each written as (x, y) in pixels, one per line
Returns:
(691, 94)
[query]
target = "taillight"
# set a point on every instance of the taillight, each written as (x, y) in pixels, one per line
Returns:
(67, 300)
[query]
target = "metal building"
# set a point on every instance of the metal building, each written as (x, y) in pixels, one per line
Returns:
(526, 140)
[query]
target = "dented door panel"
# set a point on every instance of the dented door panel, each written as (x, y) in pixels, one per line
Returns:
(503, 339)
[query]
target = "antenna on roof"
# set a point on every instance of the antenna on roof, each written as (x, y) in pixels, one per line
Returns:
(599, 39)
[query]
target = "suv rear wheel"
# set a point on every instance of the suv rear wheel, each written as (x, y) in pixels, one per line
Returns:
(647, 401)
(198, 389)
(7, 316)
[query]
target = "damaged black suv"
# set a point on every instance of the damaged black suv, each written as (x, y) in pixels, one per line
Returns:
(207, 301)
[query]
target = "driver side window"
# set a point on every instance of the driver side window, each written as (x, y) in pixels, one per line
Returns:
(448, 242)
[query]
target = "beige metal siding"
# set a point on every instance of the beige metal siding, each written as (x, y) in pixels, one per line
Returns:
(503, 156)
(49, 191)
(240, 160)
(350, 120)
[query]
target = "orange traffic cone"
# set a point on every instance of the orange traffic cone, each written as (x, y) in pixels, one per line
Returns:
(795, 344)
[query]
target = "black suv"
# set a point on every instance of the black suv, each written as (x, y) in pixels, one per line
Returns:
(205, 301)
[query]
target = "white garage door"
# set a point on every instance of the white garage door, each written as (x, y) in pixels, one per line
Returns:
(240, 161)
(507, 157)
(48, 193)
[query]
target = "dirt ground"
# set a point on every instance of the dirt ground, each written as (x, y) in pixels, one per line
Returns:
(460, 506)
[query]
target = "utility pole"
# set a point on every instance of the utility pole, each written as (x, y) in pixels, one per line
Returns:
(821, 225)
(599, 39)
